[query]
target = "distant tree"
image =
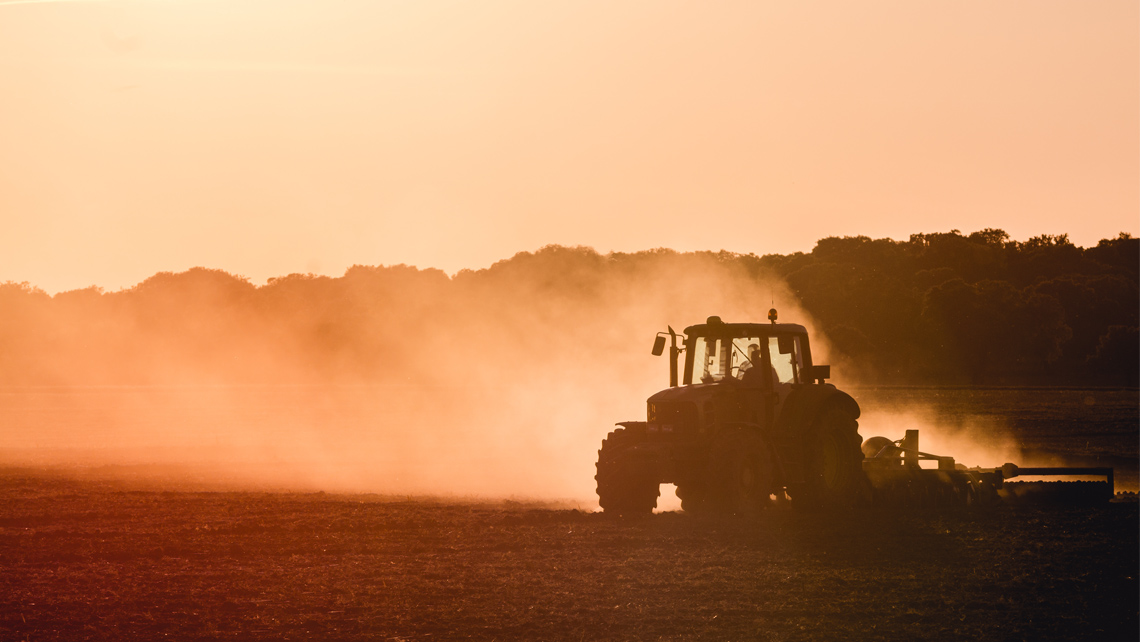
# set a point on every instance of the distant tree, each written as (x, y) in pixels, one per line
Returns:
(991, 329)
(1046, 257)
(980, 256)
(1117, 356)
(990, 236)
(1120, 255)
(852, 343)
(25, 333)
(1040, 332)
(1090, 305)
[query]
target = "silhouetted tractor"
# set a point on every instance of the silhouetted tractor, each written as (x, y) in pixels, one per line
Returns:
(748, 420)
(751, 421)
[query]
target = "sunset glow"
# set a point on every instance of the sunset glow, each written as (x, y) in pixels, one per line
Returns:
(266, 138)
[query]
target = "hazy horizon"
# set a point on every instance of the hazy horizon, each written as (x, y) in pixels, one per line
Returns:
(451, 274)
(503, 381)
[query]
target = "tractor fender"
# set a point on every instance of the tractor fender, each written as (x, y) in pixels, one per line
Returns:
(806, 403)
(638, 428)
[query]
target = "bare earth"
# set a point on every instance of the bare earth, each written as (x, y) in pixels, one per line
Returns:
(83, 557)
(90, 560)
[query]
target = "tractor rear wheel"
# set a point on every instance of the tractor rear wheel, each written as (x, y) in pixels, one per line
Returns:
(740, 473)
(834, 464)
(627, 484)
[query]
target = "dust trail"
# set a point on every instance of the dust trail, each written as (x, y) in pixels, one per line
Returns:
(497, 382)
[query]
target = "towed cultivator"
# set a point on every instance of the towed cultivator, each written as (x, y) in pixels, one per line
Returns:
(748, 419)
(897, 478)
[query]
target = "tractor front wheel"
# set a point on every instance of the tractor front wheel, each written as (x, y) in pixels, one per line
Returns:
(627, 483)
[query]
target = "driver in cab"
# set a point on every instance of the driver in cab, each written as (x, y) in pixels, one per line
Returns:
(749, 372)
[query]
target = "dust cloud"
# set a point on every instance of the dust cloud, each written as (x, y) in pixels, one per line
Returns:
(494, 383)
(499, 382)
(971, 440)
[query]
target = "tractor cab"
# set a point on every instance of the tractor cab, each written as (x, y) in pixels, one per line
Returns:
(754, 354)
(732, 372)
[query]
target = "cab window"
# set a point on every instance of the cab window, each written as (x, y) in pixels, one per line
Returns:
(787, 358)
(745, 355)
(708, 360)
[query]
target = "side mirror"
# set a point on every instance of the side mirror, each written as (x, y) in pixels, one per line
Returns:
(658, 346)
(813, 373)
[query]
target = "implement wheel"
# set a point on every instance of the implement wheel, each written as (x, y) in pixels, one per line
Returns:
(627, 483)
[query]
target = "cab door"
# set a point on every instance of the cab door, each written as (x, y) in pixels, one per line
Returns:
(769, 387)
(785, 362)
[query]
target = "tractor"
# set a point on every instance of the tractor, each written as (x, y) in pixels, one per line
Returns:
(746, 421)
(749, 420)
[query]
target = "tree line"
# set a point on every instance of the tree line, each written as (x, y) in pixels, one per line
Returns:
(977, 308)
(944, 308)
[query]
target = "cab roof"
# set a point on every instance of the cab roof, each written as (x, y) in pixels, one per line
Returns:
(719, 328)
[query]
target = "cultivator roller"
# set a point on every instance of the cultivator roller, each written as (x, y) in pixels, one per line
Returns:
(898, 478)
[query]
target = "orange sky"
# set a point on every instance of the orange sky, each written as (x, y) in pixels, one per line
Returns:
(265, 137)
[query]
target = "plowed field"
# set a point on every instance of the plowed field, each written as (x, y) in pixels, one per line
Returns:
(97, 560)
